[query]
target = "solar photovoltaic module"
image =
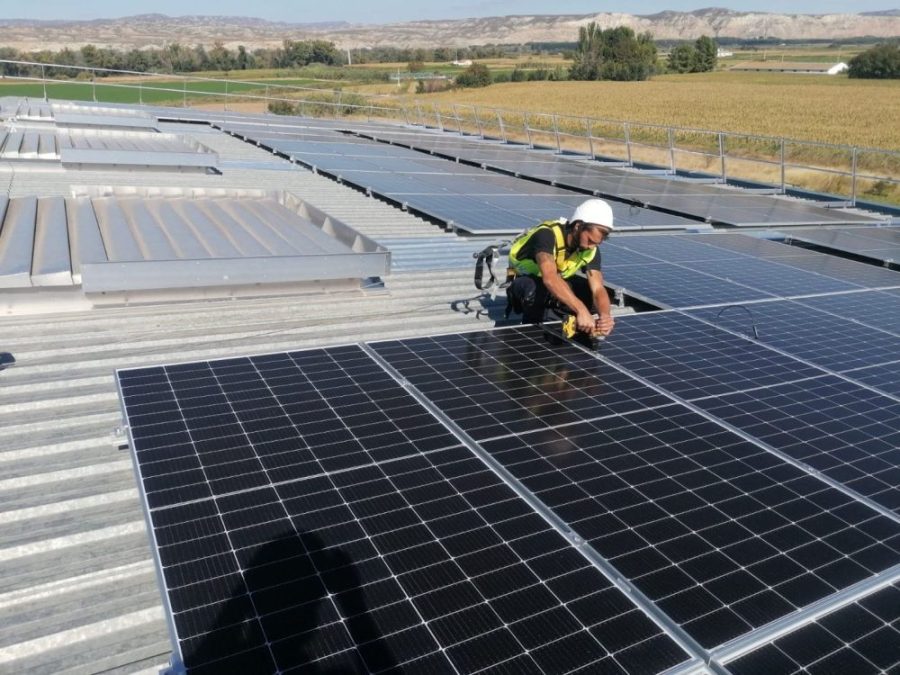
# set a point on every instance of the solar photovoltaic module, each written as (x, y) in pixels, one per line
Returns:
(705, 523)
(672, 286)
(848, 432)
(695, 360)
(501, 502)
(875, 308)
(862, 637)
(308, 514)
(826, 339)
(858, 273)
(707, 202)
(881, 244)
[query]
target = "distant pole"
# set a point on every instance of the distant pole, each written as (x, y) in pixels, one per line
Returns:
(44, 81)
(349, 58)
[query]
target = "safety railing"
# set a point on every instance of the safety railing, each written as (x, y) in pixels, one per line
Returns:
(779, 164)
(849, 173)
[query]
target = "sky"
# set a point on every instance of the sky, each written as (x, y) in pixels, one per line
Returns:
(389, 11)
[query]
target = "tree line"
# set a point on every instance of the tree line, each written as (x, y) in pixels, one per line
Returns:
(178, 58)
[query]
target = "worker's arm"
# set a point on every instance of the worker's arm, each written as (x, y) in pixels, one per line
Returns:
(560, 290)
(601, 301)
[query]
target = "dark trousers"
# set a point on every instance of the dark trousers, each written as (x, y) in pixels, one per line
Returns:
(529, 296)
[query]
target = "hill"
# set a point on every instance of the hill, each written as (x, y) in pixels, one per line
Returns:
(156, 30)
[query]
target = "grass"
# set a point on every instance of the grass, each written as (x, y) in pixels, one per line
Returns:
(156, 91)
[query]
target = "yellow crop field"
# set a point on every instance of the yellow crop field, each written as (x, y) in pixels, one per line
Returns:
(829, 109)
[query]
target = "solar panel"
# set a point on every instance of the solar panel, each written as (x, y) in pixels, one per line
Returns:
(508, 382)
(721, 534)
(672, 249)
(694, 360)
(755, 246)
(849, 433)
(693, 199)
(669, 286)
(884, 377)
(876, 309)
(444, 189)
(239, 424)
(771, 276)
(859, 273)
(861, 638)
(753, 210)
(807, 333)
(881, 244)
(385, 544)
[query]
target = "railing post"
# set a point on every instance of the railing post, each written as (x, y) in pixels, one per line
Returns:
(44, 81)
(722, 156)
(478, 121)
(527, 130)
(458, 123)
(556, 131)
(94, 87)
(184, 86)
(225, 105)
(627, 128)
(267, 99)
(337, 108)
(500, 124)
(405, 110)
(672, 150)
(437, 116)
(590, 136)
(140, 93)
(854, 164)
(782, 166)
(419, 119)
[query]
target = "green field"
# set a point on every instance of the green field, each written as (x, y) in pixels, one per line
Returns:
(158, 91)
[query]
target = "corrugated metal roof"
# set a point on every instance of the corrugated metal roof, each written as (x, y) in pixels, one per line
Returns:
(77, 589)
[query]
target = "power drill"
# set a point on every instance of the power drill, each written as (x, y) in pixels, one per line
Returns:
(570, 330)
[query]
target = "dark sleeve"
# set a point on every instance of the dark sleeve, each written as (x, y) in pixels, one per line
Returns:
(544, 240)
(594, 264)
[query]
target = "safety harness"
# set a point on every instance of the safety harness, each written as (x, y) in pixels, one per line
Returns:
(566, 263)
(486, 259)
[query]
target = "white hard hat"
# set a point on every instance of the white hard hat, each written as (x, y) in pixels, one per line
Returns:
(594, 212)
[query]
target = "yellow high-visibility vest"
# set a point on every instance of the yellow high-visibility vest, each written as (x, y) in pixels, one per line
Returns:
(566, 265)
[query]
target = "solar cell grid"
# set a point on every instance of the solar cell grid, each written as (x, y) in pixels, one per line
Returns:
(735, 208)
(760, 248)
(666, 248)
(493, 384)
(672, 286)
(849, 433)
(819, 337)
(884, 377)
(881, 244)
(427, 561)
(877, 309)
(723, 536)
(851, 271)
(239, 423)
(862, 638)
(615, 256)
(774, 277)
(694, 360)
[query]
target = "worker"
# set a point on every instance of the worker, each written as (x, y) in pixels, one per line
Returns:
(545, 260)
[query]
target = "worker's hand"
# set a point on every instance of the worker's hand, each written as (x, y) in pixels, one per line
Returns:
(604, 324)
(584, 320)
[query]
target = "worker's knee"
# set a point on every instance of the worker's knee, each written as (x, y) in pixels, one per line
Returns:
(522, 293)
